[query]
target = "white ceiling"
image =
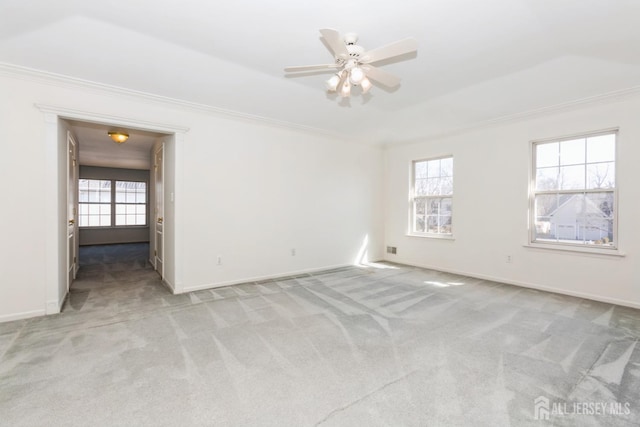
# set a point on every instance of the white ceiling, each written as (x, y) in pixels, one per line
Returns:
(477, 60)
(98, 149)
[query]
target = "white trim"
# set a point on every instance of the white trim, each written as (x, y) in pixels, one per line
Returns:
(532, 192)
(560, 247)
(52, 218)
(413, 198)
(528, 285)
(260, 278)
(52, 114)
(432, 236)
(21, 315)
(178, 224)
(46, 77)
(569, 137)
(168, 285)
(26, 73)
(87, 116)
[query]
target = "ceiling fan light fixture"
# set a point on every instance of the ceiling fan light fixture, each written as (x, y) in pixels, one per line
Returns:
(365, 84)
(345, 92)
(332, 83)
(118, 137)
(353, 62)
(356, 75)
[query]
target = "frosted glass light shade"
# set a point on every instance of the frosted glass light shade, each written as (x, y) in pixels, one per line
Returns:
(345, 92)
(356, 75)
(365, 84)
(332, 83)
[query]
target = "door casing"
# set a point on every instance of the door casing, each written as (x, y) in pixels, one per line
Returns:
(55, 203)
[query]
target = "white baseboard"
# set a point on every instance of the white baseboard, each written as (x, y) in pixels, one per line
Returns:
(259, 278)
(169, 286)
(54, 306)
(19, 316)
(585, 295)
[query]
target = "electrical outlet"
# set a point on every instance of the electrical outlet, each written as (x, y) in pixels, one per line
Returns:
(293, 252)
(508, 259)
(219, 259)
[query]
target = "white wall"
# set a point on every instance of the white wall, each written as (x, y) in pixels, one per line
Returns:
(490, 206)
(251, 200)
(244, 190)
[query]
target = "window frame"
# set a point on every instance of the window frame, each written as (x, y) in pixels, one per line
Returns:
(99, 203)
(413, 197)
(125, 203)
(577, 246)
(113, 204)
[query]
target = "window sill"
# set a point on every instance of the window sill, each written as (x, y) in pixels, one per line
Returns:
(576, 249)
(111, 227)
(432, 236)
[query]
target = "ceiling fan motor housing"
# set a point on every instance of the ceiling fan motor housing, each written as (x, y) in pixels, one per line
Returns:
(355, 51)
(350, 38)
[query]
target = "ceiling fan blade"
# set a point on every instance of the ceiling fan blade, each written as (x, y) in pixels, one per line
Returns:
(381, 76)
(390, 50)
(335, 42)
(311, 67)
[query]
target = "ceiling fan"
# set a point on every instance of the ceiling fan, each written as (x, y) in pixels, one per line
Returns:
(353, 63)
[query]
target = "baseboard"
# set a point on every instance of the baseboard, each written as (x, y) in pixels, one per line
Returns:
(54, 306)
(23, 315)
(259, 278)
(169, 286)
(585, 295)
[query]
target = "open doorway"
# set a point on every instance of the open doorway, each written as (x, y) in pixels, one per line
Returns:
(117, 222)
(60, 123)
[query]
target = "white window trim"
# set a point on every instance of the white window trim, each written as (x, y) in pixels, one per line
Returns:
(572, 247)
(115, 205)
(449, 236)
(412, 183)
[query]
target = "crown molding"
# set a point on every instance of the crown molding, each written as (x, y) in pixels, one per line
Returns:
(70, 113)
(529, 114)
(46, 77)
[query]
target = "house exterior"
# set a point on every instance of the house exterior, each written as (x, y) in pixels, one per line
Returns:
(579, 218)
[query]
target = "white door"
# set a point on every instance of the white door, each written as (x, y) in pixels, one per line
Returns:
(159, 210)
(72, 180)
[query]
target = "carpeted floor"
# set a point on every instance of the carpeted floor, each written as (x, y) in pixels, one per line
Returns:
(396, 346)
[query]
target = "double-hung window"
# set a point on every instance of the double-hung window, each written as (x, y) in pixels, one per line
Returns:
(573, 197)
(94, 207)
(432, 197)
(131, 203)
(110, 203)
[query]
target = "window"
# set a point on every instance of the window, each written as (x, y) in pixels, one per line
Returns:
(573, 201)
(94, 207)
(432, 196)
(108, 203)
(131, 203)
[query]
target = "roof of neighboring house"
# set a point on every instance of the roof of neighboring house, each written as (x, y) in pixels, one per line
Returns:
(592, 207)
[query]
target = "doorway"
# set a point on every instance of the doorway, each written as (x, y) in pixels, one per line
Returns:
(59, 258)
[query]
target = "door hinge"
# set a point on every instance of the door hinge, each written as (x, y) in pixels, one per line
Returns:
(155, 253)
(75, 259)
